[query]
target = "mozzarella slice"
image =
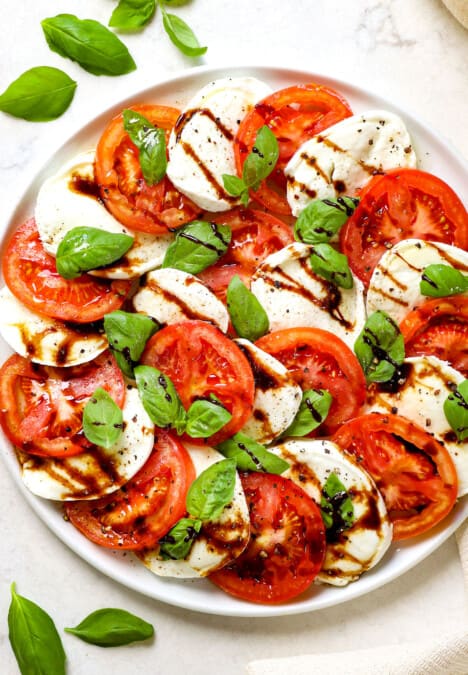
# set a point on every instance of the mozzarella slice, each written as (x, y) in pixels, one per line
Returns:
(342, 159)
(421, 399)
(292, 295)
(170, 295)
(394, 285)
(361, 546)
(97, 472)
(70, 199)
(277, 396)
(219, 541)
(201, 145)
(44, 340)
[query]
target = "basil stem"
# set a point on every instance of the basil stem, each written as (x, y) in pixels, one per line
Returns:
(380, 347)
(88, 248)
(336, 506)
(205, 418)
(212, 490)
(312, 412)
(322, 219)
(333, 266)
(151, 142)
(176, 544)
(112, 627)
(132, 15)
(40, 94)
(102, 419)
(160, 399)
(251, 456)
(128, 334)
(439, 281)
(247, 314)
(197, 246)
(456, 410)
(181, 35)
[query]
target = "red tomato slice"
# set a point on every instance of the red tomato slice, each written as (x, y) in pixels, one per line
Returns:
(413, 471)
(145, 509)
(287, 545)
(294, 114)
(125, 193)
(402, 204)
(200, 361)
(31, 275)
(319, 360)
(42, 406)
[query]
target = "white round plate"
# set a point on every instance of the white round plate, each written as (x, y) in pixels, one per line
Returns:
(200, 595)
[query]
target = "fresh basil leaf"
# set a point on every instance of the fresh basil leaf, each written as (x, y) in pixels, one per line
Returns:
(247, 314)
(176, 544)
(40, 94)
(197, 246)
(333, 266)
(212, 490)
(440, 281)
(236, 186)
(205, 418)
(128, 334)
(380, 347)
(181, 35)
(151, 142)
(88, 248)
(34, 638)
(251, 456)
(102, 419)
(323, 218)
(312, 412)
(176, 3)
(132, 15)
(336, 506)
(93, 46)
(160, 398)
(258, 165)
(456, 410)
(112, 627)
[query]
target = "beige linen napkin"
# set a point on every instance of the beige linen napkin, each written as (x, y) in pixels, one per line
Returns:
(459, 9)
(447, 656)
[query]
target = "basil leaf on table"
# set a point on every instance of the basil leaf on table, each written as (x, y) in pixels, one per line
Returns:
(456, 410)
(160, 398)
(128, 334)
(176, 544)
(251, 456)
(440, 281)
(312, 412)
(34, 638)
(333, 266)
(112, 627)
(151, 142)
(132, 15)
(102, 419)
(247, 314)
(93, 46)
(323, 218)
(176, 3)
(336, 505)
(380, 347)
(181, 35)
(40, 94)
(88, 248)
(212, 490)
(197, 245)
(205, 418)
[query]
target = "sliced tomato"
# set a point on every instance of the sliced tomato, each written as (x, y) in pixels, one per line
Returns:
(294, 114)
(255, 236)
(200, 360)
(402, 204)
(31, 275)
(319, 360)
(42, 406)
(124, 191)
(413, 471)
(287, 544)
(145, 509)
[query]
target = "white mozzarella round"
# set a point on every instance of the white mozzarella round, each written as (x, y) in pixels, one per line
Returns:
(43, 340)
(394, 285)
(343, 158)
(293, 295)
(170, 295)
(201, 145)
(421, 399)
(219, 541)
(361, 546)
(100, 471)
(61, 206)
(277, 396)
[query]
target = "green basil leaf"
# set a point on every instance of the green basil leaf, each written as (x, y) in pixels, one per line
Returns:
(247, 314)
(336, 506)
(236, 186)
(261, 161)
(456, 410)
(88, 248)
(160, 398)
(102, 419)
(176, 3)
(176, 544)
(439, 281)
(251, 456)
(197, 246)
(40, 94)
(380, 347)
(333, 266)
(34, 638)
(112, 627)
(151, 142)
(323, 218)
(93, 46)
(212, 490)
(181, 35)
(205, 418)
(128, 334)
(312, 412)
(132, 15)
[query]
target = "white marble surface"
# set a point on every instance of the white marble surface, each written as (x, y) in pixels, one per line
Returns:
(412, 52)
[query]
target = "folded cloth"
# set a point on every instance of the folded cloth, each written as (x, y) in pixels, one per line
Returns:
(459, 9)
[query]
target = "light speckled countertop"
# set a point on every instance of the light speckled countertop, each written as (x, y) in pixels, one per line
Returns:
(411, 52)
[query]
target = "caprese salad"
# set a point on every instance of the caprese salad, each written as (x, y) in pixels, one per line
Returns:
(240, 339)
